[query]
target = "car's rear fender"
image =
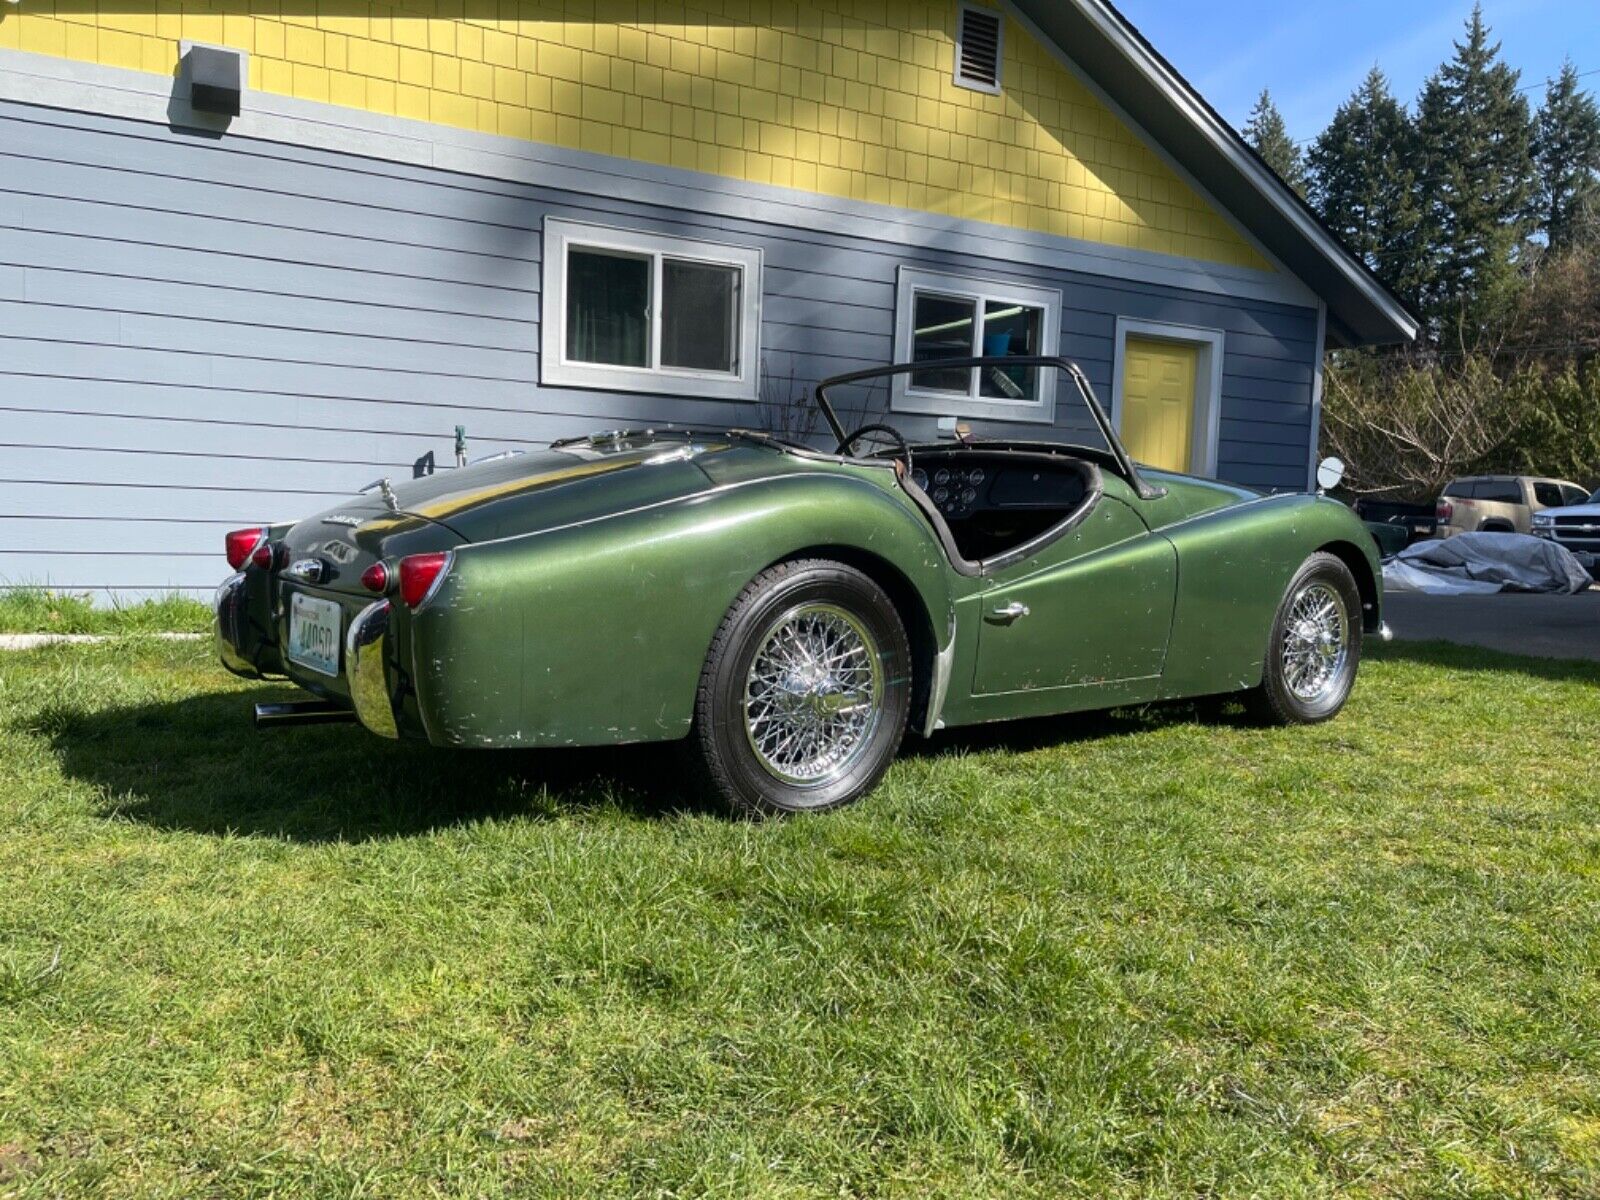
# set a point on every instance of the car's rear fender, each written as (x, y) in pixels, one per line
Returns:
(1233, 567)
(597, 632)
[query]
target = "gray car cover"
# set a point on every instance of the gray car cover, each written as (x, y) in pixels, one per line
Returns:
(1479, 563)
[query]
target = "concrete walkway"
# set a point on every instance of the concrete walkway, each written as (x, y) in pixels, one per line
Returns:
(1538, 626)
(32, 641)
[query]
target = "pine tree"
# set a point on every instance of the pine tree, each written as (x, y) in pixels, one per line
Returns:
(1567, 150)
(1363, 183)
(1476, 181)
(1269, 137)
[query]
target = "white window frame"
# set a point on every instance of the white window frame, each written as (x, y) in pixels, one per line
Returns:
(1212, 344)
(907, 397)
(999, 48)
(557, 369)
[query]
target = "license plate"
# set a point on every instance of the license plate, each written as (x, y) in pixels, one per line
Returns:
(314, 633)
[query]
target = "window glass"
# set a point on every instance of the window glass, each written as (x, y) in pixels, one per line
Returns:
(1573, 495)
(699, 316)
(608, 308)
(1010, 330)
(1500, 491)
(1547, 494)
(942, 327)
(1457, 487)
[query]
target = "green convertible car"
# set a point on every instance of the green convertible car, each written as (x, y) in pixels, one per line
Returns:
(789, 611)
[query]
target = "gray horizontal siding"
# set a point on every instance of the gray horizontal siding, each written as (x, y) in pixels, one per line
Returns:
(200, 334)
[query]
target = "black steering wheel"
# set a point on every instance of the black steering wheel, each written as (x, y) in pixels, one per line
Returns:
(890, 435)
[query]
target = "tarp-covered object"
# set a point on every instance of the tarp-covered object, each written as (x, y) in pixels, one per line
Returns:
(1471, 564)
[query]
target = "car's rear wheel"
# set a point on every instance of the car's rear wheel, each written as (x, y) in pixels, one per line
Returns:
(1314, 650)
(804, 695)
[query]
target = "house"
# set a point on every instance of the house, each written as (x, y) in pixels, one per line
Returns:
(257, 253)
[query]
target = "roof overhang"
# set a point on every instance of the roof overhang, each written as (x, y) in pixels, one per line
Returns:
(1112, 54)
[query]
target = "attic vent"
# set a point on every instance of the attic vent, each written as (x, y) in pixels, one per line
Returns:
(978, 49)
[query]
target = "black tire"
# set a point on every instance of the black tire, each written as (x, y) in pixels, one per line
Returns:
(1278, 701)
(835, 599)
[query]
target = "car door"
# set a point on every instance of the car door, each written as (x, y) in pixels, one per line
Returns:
(1092, 608)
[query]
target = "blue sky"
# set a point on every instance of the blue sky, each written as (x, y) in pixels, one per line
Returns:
(1312, 56)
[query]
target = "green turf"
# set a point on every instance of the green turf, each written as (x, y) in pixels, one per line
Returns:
(40, 610)
(1135, 955)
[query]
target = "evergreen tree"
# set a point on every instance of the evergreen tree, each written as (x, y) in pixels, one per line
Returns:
(1269, 137)
(1567, 150)
(1476, 181)
(1363, 183)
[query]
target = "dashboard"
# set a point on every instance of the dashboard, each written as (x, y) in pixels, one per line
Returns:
(961, 487)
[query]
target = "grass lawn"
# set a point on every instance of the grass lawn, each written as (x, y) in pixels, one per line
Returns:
(43, 610)
(1133, 955)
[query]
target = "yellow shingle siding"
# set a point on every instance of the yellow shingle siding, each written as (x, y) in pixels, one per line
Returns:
(848, 98)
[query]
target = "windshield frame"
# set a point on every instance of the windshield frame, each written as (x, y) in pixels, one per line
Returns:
(1123, 465)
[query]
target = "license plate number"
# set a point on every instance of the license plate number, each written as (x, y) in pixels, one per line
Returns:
(314, 633)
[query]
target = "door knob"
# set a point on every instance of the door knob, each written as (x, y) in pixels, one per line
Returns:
(1008, 613)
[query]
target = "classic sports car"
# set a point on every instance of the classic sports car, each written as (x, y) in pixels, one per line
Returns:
(790, 612)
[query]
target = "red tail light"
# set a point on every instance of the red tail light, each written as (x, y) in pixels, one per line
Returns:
(241, 544)
(376, 578)
(418, 575)
(265, 552)
(1444, 512)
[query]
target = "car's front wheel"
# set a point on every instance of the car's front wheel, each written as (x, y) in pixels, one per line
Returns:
(805, 692)
(1314, 650)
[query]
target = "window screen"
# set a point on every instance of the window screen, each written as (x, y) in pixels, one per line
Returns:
(699, 316)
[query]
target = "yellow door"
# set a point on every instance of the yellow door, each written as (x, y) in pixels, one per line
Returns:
(1158, 402)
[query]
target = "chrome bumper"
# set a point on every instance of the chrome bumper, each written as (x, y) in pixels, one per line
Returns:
(364, 646)
(229, 626)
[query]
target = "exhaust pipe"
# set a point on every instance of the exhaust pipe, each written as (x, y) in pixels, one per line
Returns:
(302, 712)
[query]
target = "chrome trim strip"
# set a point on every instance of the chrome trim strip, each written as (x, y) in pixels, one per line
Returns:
(364, 652)
(943, 663)
(229, 616)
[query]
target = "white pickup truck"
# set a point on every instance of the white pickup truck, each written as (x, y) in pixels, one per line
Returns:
(1575, 526)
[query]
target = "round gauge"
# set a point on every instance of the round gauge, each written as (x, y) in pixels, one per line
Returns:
(920, 478)
(940, 495)
(941, 477)
(976, 477)
(968, 496)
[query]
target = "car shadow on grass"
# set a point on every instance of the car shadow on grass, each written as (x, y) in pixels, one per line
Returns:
(197, 764)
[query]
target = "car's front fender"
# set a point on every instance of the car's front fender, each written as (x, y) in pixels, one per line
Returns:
(1233, 567)
(596, 632)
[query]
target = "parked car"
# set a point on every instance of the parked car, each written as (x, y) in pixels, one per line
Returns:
(1501, 503)
(791, 612)
(1419, 520)
(1575, 526)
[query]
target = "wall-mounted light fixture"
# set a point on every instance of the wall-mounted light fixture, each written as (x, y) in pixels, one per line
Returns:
(216, 77)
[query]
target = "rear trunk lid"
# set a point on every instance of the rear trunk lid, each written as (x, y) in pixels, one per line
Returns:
(503, 497)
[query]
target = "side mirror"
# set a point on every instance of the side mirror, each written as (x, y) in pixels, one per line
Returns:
(1330, 473)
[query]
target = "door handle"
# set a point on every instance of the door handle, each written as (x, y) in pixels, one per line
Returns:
(1008, 613)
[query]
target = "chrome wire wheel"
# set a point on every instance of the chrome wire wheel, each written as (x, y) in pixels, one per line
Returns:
(1316, 642)
(813, 696)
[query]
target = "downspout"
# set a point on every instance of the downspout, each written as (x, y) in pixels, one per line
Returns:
(1316, 397)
